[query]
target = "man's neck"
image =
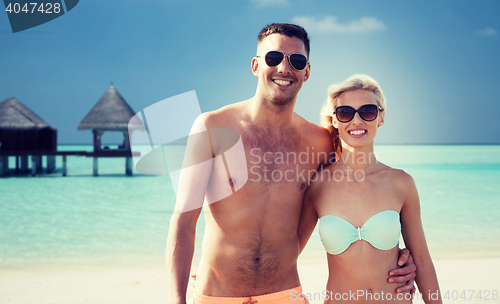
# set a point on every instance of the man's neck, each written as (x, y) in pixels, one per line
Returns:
(265, 114)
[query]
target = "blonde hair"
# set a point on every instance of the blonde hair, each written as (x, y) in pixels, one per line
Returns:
(353, 83)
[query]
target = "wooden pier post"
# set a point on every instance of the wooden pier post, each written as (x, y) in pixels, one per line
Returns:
(39, 163)
(64, 169)
(51, 163)
(24, 163)
(4, 165)
(128, 166)
(34, 158)
(95, 166)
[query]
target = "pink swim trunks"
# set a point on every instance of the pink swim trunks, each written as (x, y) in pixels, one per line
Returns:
(290, 296)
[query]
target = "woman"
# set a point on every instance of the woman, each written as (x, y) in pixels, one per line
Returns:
(364, 205)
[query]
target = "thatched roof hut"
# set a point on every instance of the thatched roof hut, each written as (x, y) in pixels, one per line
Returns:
(111, 113)
(16, 116)
(21, 129)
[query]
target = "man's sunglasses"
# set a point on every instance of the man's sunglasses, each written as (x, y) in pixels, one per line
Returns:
(297, 61)
(367, 112)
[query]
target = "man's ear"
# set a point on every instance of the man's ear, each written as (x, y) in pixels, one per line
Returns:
(308, 72)
(255, 66)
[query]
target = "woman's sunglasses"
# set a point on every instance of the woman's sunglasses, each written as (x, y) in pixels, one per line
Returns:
(297, 61)
(367, 112)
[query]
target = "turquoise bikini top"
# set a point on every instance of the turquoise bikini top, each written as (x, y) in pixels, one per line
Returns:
(382, 231)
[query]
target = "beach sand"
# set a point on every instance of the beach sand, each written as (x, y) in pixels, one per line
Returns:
(147, 283)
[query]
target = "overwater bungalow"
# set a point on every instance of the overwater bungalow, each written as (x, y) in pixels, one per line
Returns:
(23, 133)
(111, 114)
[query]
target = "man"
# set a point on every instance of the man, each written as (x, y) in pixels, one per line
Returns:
(250, 247)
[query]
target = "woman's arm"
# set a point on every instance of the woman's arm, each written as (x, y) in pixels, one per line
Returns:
(413, 235)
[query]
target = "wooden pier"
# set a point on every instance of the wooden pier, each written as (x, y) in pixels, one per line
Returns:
(25, 136)
(23, 158)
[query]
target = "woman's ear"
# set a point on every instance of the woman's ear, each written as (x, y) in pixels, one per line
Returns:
(382, 117)
(335, 123)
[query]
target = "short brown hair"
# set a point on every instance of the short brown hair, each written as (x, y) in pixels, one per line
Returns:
(287, 29)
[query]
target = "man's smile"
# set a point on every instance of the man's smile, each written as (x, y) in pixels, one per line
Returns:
(284, 82)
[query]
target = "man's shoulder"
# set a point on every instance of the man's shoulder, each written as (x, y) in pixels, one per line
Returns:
(309, 127)
(225, 116)
(313, 132)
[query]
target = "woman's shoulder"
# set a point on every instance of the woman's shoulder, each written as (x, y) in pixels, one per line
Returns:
(322, 179)
(400, 178)
(395, 173)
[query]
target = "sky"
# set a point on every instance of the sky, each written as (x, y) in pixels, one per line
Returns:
(436, 61)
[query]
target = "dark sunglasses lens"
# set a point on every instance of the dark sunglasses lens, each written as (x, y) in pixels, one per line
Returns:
(274, 58)
(344, 113)
(368, 112)
(298, 61)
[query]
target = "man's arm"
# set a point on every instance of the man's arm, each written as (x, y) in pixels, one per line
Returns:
(405, 274)
(322, 141)
(308, 217)
(194, 178)
(179, 253)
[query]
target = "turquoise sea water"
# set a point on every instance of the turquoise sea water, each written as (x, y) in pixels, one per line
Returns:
(50, 219)
(459, 189)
